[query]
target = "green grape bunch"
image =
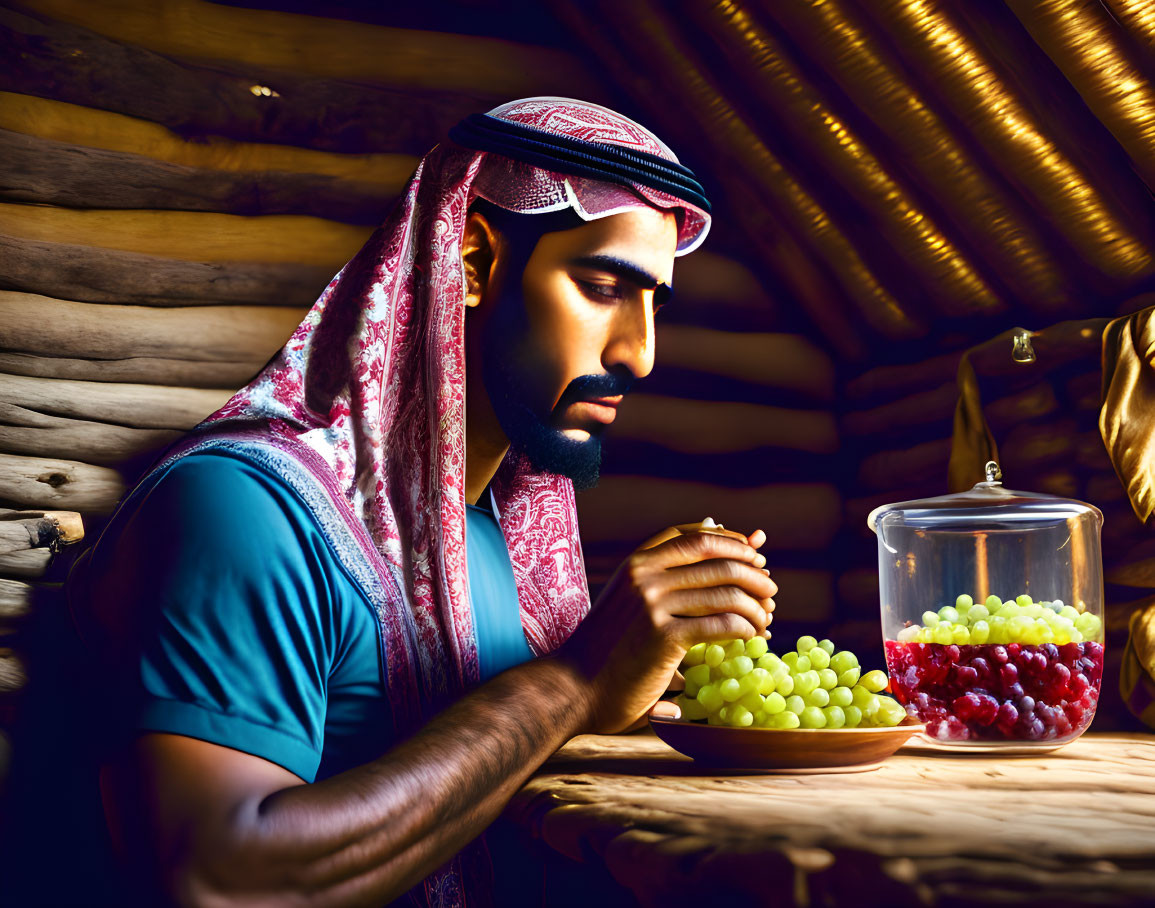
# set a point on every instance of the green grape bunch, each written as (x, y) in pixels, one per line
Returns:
(993, 620)
(740, 683)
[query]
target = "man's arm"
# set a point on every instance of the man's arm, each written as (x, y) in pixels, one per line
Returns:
(222, 827)
(219, 827)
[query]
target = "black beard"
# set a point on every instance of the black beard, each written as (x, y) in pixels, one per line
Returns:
(546, 447)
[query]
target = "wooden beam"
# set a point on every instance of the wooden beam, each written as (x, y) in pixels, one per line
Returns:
(920, 408)
(99, 275)
(743, 467)
(784, 361)
(139, 406)
(191, 236)
(20, 530)
(708, 427)
(147, 370)
(46, 172)
(13, 674)
(107, 442)
(895, 469)
(199, 101)
(892, 382)
(227, 334)
(329, 48)
(73, 124)
(98, 443)
(711, 289)
(1085, 43)
(54, 484)
(633, 508)
(710, 277)
(18, 598)
(29, 563)
(858, 587)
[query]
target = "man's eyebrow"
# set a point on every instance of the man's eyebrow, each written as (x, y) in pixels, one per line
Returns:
(635, 274)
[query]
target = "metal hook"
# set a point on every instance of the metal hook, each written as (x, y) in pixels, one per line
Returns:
(1022, 351)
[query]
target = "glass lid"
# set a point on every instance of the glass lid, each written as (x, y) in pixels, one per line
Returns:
(986, 504)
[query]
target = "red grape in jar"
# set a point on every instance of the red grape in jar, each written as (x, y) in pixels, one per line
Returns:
(990, 692)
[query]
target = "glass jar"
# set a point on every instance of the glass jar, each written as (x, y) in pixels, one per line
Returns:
(992, 614)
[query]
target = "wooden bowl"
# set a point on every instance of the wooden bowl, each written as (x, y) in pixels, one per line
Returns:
(784, 750)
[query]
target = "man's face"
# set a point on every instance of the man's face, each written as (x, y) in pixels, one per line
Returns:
(562, 346)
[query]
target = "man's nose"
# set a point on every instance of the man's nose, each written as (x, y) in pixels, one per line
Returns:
(632, 342)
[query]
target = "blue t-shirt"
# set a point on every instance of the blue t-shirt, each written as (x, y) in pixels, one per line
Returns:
(239, 625)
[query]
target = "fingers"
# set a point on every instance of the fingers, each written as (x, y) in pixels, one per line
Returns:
(718, 572)
(757, 539)
(665, 709)
(712, 628)
(693, 547)
(768, 605)
(713, 600)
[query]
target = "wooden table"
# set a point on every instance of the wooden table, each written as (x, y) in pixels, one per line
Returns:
(1075, 827)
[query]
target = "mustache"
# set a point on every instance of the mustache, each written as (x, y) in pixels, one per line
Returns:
(592, 387)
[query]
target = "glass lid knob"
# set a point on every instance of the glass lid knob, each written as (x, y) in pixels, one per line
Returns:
(994, 474)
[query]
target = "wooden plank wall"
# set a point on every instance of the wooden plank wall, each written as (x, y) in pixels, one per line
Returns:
(181, 180)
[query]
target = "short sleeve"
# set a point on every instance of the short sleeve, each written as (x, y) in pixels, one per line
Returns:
(211, 594)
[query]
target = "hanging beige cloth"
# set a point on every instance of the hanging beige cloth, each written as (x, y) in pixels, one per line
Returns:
(1137, 675)
(1127, 419)
(1127, 423)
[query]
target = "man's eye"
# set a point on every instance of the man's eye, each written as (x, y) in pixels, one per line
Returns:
(605, 291)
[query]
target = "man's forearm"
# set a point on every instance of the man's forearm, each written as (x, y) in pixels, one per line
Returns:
(368, 834)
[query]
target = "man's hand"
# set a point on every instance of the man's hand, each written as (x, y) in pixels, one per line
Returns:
(694, 584)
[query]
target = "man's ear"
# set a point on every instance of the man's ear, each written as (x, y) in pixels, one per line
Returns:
(479, 251)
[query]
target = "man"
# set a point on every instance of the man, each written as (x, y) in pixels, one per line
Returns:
(320, 698)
